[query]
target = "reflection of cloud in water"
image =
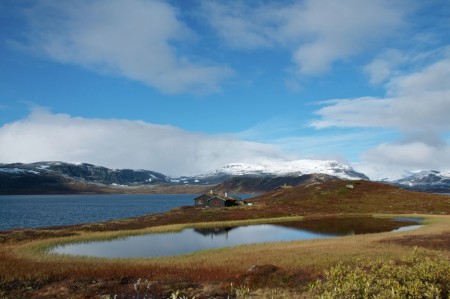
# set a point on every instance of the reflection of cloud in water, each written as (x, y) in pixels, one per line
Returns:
(189, 240)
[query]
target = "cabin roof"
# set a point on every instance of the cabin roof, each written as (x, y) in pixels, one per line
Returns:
(209, 197)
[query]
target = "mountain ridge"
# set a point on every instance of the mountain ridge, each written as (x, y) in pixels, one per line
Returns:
(54, 177)
(426, 180)
(261, 184)
(22, 178)
(291, 168)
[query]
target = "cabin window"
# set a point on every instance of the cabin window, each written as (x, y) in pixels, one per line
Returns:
(200, 202)
(216, 203)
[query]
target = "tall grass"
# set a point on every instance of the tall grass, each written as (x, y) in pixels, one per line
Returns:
(413, 277)
(297, 261)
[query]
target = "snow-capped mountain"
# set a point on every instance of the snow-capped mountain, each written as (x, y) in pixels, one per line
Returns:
(297, 167)
(86, 172)
(60, 177)
(431, 180)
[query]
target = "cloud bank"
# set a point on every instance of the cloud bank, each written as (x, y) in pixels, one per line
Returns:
(44, 136)
(136, 39)
(417, 105)
(149, 40)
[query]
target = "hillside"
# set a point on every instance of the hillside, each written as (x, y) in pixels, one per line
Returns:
(329, 198)
(336, 197)
(261, 184)
(290, 265)
(28, 182)
(66, 178)
(83, 178)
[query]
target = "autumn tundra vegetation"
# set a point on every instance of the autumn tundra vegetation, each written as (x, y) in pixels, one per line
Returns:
(406, 264)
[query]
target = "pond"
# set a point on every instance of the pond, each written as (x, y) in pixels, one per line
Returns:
(195, 239)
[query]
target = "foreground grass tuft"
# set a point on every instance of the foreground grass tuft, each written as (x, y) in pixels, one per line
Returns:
(411, 278)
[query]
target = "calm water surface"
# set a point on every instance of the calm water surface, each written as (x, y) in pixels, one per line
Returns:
(29, 211)
(191, 240)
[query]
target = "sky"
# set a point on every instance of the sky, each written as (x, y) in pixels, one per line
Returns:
(186, 86)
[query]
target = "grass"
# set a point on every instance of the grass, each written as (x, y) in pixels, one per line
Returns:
(412, 277)
(271, 270)
(295, 263)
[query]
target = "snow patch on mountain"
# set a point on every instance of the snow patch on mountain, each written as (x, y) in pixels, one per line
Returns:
(18, 170)
(427, 180)
(296, 167)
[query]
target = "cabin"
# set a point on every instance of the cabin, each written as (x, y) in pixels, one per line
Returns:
(213, 200)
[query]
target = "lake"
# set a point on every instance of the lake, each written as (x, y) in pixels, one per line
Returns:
(31, 211)
(195, 239)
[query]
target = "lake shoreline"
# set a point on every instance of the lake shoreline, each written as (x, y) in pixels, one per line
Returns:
(288, 266)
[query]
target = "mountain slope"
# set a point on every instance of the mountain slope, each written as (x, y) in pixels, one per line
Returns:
(261, 184)
(63, 178)
(337, 197)
(19, 181)
(431, 181)
(292, 168)
(83, 178)
(87, 172)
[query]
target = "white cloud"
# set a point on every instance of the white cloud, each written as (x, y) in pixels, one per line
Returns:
(134, 39)
(236, 23)
(43, 136)
(397, 160)
(403, 155)
(340, 29)
(384, 66)
(417, 105)
(296, 141)
(317, 32)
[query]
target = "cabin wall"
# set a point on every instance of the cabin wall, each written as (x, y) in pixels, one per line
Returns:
(201, 202)
(216, 203)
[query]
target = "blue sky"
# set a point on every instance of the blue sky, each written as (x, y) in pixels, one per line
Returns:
(184, 87)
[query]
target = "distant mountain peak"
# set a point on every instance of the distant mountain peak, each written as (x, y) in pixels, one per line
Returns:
(88, 173)
(296, 167)
(427, 180)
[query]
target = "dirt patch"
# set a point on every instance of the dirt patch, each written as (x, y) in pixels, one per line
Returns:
(260, 276)
(435, 242)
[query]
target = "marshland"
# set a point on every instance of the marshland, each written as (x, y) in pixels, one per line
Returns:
(288, 269)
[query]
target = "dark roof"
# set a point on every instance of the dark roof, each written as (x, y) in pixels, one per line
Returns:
(208, 197)
(205, 196)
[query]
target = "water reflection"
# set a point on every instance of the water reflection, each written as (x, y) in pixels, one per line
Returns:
(214, 231)
(195, 239)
